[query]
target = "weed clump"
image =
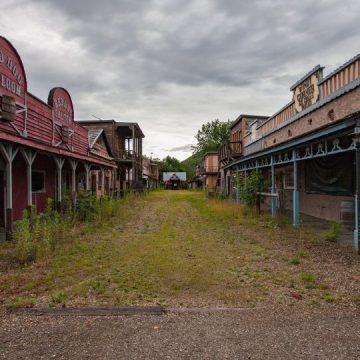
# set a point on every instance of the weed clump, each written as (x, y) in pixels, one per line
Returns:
(333, 233)
(38, 236)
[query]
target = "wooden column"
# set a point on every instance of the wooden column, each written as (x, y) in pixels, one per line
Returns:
(295, 192)
(73, 165)
(87, 179)
(9, 152)
(59, 165)
(29, 157)
(357, 192)
(102, 181)
(113, 181)
(273, 188)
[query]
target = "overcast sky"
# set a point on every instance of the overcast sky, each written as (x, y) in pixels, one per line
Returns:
(172, 65)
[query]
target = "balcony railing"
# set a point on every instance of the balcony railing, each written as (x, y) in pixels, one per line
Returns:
(128, 155)
(230, 150)
(206, 170)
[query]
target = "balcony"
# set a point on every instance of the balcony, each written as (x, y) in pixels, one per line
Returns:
(203, 170)
(230, 150)
(127, 155)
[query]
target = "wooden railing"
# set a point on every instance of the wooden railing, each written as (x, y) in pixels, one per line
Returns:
(230, 150)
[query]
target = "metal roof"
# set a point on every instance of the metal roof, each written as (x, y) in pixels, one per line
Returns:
(181, 175)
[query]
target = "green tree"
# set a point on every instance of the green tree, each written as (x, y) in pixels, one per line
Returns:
(212, 135)
(170, 164)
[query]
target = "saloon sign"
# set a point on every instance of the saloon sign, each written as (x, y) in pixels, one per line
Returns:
(61, 103)
(12, 75)
(306, 91)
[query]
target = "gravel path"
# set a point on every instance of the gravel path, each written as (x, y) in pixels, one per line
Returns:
(317, 333)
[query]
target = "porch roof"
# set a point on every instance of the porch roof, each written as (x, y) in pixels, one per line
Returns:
(346, 126)
(54, 150)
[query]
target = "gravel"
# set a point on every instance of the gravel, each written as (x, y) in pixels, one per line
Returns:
(330, 332)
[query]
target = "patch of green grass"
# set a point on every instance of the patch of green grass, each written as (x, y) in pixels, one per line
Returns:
(30, 285)
(309, 279)
(301, 253)
(332, 234)
(21, 302)
(295, 261)
(173, 248)
(58, 298)
(329, 298)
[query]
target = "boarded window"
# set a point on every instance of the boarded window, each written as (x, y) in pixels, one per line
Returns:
(331, 175)
(38, 181)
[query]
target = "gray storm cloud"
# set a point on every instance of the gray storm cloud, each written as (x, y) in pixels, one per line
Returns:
(173, 65)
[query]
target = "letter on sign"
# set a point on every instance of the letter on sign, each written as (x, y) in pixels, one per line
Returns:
(8, 108)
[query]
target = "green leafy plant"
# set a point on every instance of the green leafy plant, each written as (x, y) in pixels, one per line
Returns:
(249, 186)
(333, 233)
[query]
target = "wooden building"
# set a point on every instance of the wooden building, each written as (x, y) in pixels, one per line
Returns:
(43, 151)
(174, 180)
(125, 143)
(208, 171)
(150, 174)
(310, 148)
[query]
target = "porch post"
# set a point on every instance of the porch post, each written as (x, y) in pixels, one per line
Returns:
(295, 192)
(113, 182)
(357, 191)
(102, 181)
(59, 165)
(237, 186)
(9, 154)
(87, 180)
(73, 164)
(273, 188)
(29, 157)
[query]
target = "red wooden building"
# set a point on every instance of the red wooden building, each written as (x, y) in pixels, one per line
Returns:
(43, 152)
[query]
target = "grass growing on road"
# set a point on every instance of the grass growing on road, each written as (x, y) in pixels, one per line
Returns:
(178, 248)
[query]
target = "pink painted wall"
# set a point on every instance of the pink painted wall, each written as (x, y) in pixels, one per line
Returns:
(42, 163)
(46, 164)
(19, 186)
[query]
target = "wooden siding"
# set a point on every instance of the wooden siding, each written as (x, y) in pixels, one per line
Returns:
(340, 78)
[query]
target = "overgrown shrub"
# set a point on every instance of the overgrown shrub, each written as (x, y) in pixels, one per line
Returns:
(25, 249)
(37, 236)
(333, 233)
(249, 186)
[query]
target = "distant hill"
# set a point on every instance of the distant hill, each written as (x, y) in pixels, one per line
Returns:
(190, 164)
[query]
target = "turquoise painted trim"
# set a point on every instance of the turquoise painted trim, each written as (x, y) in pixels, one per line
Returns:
(273, 198)
(313, 136)
(296, 208)
(356, 230)
(237, 188)
(296, 191)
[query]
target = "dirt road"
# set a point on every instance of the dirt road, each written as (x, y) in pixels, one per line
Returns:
(299, 293)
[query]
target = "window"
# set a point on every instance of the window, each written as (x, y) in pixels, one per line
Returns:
(38, 181)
